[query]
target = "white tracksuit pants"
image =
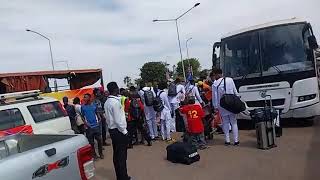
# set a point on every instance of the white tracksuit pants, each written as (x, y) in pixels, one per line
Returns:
(166, 125)
(226, 121)
(152, 126)
(174, 107)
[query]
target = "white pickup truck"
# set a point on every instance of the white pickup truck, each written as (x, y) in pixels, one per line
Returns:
(45, 157)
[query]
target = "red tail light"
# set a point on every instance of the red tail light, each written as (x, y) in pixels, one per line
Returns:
(85, 161)
(63, 110)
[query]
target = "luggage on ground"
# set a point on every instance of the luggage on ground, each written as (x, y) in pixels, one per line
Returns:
(148, 97)
(231, 102)
(181, 152)
(157, 103)
(265, 127)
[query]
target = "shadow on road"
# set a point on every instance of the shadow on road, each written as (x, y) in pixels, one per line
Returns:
(105, 174)
(312, 170)
(285, 123)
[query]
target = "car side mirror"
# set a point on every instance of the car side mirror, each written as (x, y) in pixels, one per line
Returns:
(313, 42)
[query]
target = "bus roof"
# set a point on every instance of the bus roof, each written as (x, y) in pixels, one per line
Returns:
(261, 26)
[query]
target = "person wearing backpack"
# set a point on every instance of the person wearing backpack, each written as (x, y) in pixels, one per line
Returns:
(176, 94)
(192, 91)
(134, 108)
(225, 85)
(147, 95)
(162, 106)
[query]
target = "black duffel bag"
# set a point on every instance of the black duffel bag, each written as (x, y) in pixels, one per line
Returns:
(231, 102)
(264, 114)
(182, 152)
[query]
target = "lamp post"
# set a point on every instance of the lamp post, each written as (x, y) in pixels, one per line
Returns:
(190, 67)
(179, 43)
(52, 63)
(187, 48)
(174, 71)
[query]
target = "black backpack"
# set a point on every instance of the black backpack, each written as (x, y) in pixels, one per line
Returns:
(148, 97)
(181, 152)
(172, 91)
(135, 109)
(157, 103)
(231, 102)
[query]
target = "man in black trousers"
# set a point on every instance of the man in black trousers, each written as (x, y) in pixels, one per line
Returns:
(117, 125)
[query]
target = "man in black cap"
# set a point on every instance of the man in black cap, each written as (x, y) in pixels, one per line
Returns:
(117, 125)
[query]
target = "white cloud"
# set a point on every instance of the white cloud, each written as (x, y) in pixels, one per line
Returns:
(119, 35)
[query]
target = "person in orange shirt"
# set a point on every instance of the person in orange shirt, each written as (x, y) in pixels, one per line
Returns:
(206, 90)
(195, 128)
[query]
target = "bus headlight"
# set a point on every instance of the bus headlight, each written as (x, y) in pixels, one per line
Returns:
(306, 98)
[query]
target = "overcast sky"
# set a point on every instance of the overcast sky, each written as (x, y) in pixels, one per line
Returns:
(119, 35)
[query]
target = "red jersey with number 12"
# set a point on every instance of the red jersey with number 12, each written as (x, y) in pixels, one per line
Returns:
(194, 115)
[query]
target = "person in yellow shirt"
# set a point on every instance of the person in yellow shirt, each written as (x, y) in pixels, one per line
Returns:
(123, 96)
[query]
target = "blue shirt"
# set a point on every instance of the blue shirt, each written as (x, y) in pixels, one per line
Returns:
(89, 113)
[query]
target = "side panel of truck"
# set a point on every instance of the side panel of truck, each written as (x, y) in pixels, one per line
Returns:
(35, 164)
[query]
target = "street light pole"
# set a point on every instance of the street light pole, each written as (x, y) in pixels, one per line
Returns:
(176, 21)
(187, 48)
(52, 62)
(190, 67)
(181, 58)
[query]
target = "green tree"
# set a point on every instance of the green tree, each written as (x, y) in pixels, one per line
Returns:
(138, 81)
(195, 64)
(204, 74)
(127, 81)
(153, 72)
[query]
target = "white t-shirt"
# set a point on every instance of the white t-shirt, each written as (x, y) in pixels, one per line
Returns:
(218, 90)
(148, 110)
(181, 91)
(194, 91)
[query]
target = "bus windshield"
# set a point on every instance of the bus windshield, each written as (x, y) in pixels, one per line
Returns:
(265, 52)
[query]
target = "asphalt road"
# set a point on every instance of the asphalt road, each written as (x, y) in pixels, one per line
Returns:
(297, 157)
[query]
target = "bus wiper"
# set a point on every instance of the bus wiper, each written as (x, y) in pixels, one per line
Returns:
(277, 69)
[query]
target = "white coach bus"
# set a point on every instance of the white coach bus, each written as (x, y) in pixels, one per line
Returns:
(278, 59)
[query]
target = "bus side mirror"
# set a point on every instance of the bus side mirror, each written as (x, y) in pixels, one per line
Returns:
(313, 42)
(214, 59)
(214, 55)
(317, 52)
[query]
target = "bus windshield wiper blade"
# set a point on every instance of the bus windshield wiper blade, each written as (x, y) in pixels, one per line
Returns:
(277, 69)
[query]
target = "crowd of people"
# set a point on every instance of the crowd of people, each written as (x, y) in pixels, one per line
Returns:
(152, 112)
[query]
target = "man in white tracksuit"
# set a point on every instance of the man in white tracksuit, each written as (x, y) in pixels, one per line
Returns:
(192, 90)
(175, 104)
(165, 114)
(150, 114)
(227, 116)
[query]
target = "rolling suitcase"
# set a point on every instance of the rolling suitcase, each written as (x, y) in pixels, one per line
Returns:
(265, 132)
(265, 126)
(181, 152)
